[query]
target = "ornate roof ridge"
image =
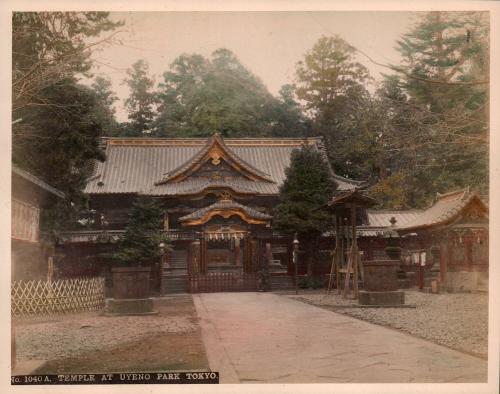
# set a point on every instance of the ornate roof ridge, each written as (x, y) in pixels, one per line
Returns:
(144, 141)
(215, 149)
(414, 210)
(225, 207)
(458, 194)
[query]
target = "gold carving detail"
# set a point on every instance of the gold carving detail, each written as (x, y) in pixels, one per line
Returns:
(215, 155)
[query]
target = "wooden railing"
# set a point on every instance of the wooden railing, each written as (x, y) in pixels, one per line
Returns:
(116, 235)
(222, 281)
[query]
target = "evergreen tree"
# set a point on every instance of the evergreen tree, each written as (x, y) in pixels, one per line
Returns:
(289, 120)
(49, 47)
(308, 185)
(332, 84)
(201, 96)
(105, 111)
(141, 103)
(143, 234)
(57, 125)
(441, 126)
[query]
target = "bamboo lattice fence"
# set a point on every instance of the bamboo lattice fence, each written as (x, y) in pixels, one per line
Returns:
(37, 297)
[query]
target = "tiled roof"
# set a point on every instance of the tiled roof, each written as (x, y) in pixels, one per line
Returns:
(134, 165)
(214, 142)
(379, 221)
(224, 205)
(382, 218)
(37, 181)
(446, 208)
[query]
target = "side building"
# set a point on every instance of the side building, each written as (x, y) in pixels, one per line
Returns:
(30, 256)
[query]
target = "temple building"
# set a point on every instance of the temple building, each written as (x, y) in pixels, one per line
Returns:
(218, 197)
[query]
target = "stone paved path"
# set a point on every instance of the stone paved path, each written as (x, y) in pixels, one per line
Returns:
(267, 338)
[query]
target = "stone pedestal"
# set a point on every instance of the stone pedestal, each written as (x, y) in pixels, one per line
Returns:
(381, 284)
(131, 282)
(381, 298)
(140, 306)
(130, 292)
(381, 275)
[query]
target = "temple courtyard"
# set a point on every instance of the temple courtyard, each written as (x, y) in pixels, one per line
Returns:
(269, 337)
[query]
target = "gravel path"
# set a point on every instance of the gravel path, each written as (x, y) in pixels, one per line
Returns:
(72, 335)
(459, 321)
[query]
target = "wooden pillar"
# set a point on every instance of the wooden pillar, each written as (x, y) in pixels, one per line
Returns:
(468, 244)
(255, 245)
(443, 259)
(237, 253)
(268, 253)
(203, 255)
(336, 257)
(195, 257)
(354, 248)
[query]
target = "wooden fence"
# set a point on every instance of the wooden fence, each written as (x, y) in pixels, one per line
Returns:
(222, 281)
(38, 297)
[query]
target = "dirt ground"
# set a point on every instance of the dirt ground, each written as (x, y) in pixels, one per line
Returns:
(92, 343)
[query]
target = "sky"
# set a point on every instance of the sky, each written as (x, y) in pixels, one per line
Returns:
(269, 44)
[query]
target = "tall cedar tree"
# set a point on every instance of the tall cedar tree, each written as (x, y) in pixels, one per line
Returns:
(141, 103)
(307, 186)
(106, 112)
(436, 130)
(143, 234)
(332, 83)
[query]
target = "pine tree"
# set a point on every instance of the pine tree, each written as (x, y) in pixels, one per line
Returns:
(141, 103)
(308, 185)
(143, 234)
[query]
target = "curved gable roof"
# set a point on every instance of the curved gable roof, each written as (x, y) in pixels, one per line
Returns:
(447, 208)
(225, 208)
(214, 150)
(136, 165)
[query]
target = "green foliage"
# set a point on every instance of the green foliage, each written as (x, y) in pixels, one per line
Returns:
(332, 84)
(311, 283)
(201, 96)
(58, 122)
(434, 137)
(48, 47)
(141, 101)
(308, 185)
(143, 234)
(105, 113)
(57, 142)
(287, 115)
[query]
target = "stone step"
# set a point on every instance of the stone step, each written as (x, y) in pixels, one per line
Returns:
(284, 282)
(170, 262)
(174, 273)
(184, 265)
(175, 285)
(403, 283)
